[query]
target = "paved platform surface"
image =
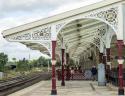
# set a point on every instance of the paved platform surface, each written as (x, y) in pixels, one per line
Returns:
(72, 88)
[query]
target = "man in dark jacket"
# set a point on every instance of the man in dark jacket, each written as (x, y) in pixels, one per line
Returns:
(94, 72)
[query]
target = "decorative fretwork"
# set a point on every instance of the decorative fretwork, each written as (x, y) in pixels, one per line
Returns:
(42, 34)
(97, 41)
(101, 32)
(58, 26)
(109, 15)
(25, 36)
(38, 34)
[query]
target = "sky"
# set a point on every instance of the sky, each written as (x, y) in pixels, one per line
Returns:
(17, 12)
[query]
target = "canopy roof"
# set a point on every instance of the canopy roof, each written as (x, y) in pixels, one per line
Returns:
(78, 36)
(61, 16)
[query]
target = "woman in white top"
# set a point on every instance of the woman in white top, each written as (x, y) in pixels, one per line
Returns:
(72, 72)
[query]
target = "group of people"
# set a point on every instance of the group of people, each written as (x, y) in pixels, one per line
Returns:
(89, 74)
(71, 71)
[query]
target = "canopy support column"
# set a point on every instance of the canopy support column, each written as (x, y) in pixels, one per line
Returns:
(105, 60)
(67, 68)
(53, 91)
(108, 51)
(108, 66)
(101, 71)
(67, 58)
(100, 57)
(120, 67)
(62, 53)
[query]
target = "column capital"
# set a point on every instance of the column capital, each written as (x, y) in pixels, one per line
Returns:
(120, 42)
(53, 62)
(53, 40)
(62, 48)
(120, 61)
(108, 63)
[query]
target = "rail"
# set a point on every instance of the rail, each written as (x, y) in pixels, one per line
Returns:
(19, 83)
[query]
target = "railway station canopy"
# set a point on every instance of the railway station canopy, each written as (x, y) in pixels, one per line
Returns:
(80, 32)
(78, 29)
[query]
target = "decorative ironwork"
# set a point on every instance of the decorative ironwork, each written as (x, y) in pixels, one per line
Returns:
(42, 34)
(39, 34)
(58, 26)
(26, 36)
(109, 15)
(101, 32)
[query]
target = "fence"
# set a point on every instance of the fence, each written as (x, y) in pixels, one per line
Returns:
(76, 76)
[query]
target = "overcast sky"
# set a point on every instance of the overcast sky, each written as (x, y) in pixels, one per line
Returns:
(18, 12)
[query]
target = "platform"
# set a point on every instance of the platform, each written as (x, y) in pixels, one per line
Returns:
(72, 88)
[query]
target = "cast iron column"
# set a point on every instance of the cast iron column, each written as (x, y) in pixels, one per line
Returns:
(101, 71)
(104, 60)
(63, 82)
(108, 51)
(53, 91)
(100, 57)
(67, 68)
(67, 58)
(120, 67)
(108, 66)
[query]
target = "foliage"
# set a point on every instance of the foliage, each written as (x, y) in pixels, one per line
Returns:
(14, 59)
(71, 62)
(32, 64)
(22, 66)
(42, 62)
(3, 61)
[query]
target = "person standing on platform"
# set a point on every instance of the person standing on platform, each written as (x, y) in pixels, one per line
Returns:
(72, 72)
(94, 72)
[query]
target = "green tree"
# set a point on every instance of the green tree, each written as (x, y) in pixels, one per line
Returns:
(22, 66)
(14, 60)
(3, 61)
(42, 62)
(32, 64)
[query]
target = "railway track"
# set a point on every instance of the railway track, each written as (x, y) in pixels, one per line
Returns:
(19, 83)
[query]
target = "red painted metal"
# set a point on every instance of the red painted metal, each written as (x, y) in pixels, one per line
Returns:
(104, 59)
(100, 57)
(120, 69)
(120, 76)
(53, 49)
(108, 51)
(63, 82)
(53, 77)
(53, 91)
(67, 58)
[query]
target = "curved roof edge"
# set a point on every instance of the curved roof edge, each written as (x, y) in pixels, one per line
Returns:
(59, 16)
